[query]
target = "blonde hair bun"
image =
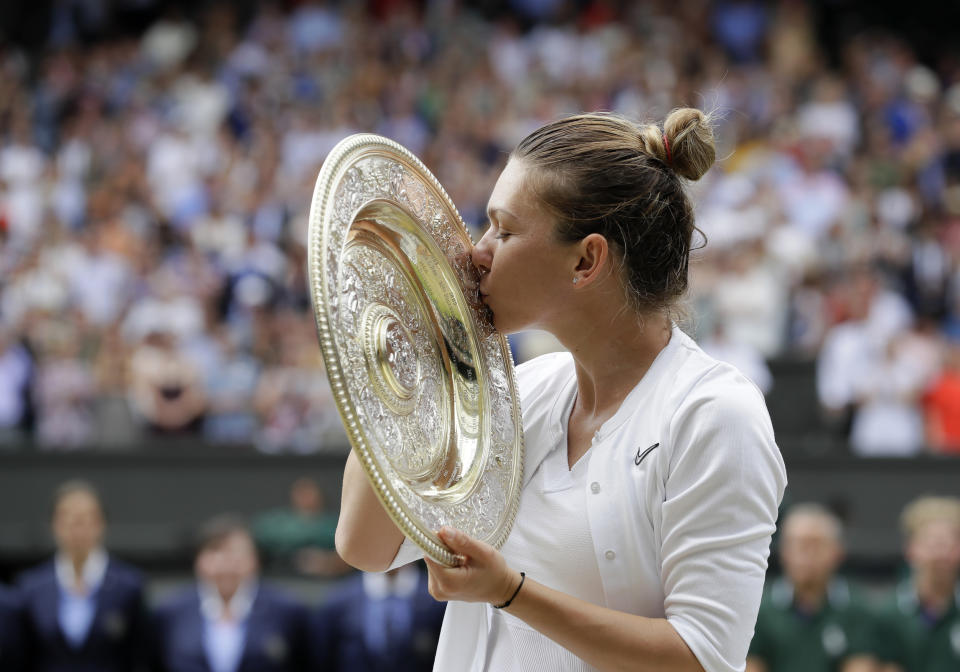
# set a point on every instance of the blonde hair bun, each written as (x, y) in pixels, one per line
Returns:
(689, 133)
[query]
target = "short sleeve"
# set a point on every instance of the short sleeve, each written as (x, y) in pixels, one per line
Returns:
(761, 646)
(407, 553)
(726, 479)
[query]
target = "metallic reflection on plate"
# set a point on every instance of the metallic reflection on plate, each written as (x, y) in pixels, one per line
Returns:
(423, 382)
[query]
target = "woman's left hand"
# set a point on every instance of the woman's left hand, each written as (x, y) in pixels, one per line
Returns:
(481, 576)
(605, 638)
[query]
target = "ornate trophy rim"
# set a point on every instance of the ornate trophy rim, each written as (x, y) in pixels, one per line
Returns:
(328, 245)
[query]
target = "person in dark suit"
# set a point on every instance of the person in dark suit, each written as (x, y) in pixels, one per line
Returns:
(84, 609)
(230, 621)
(378, 623)
(11, 631)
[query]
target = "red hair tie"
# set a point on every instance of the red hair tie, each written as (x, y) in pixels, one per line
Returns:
(666, 143)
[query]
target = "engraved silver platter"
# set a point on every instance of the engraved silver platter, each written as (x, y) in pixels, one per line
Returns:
(423, 382)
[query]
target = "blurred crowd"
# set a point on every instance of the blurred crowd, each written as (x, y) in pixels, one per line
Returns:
(814, 619)
(85, 609)
(155, 184)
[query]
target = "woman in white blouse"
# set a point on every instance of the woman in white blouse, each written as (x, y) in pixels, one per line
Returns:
(651, 475)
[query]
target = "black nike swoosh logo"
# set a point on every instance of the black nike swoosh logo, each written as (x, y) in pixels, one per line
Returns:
(640, 455)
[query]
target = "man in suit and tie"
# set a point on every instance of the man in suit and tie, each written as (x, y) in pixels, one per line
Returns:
(11, 631)
(230, 621)
(378, 623)
(83, 609)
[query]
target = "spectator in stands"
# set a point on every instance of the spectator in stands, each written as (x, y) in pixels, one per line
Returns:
(883, 417)
(301, 536)
(293, 397)
(11, 632)
(888, 420)
(64, 393)
(84, 609)
(198, 143)
(165, 386)
(942, 405)
(231, 382)
(230, 621)
(378, 623)
(919, 627)
(847, 356)
(115, 423)
(16, 375)
(748, 360)
(811, 620)
(750, 300)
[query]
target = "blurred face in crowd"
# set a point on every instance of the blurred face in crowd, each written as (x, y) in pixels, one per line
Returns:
(934, 550)
(523, 267)
(952, 357)
(228, 563)
(305, 496)
(811, 549)
(861, 290)
(78, 524)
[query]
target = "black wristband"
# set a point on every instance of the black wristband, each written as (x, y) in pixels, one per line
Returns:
(523, 577)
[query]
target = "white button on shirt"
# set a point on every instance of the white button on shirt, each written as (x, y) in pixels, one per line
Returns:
(688, 528)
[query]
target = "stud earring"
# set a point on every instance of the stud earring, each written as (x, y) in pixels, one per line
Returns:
(575, 280)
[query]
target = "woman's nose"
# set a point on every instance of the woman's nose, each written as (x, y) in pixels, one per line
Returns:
(482, 253)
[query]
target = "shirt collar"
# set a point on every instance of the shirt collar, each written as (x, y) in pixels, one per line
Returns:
(560, 412)
(403, 584)
(908, 602)
(650, 377)
(213, 607)
(565, 396)
(94, 569)
(838, 593)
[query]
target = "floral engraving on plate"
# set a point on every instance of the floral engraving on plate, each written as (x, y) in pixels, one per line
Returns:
(409, 417)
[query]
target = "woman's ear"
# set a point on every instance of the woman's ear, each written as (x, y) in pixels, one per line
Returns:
(592, 263)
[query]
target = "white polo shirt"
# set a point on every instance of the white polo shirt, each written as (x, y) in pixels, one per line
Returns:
(680, 531)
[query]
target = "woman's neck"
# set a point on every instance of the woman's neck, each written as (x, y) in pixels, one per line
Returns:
(611, 356)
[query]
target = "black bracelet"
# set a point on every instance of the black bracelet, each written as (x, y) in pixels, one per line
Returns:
(523, 577)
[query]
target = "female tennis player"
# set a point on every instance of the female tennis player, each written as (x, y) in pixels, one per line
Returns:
(651, 475)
